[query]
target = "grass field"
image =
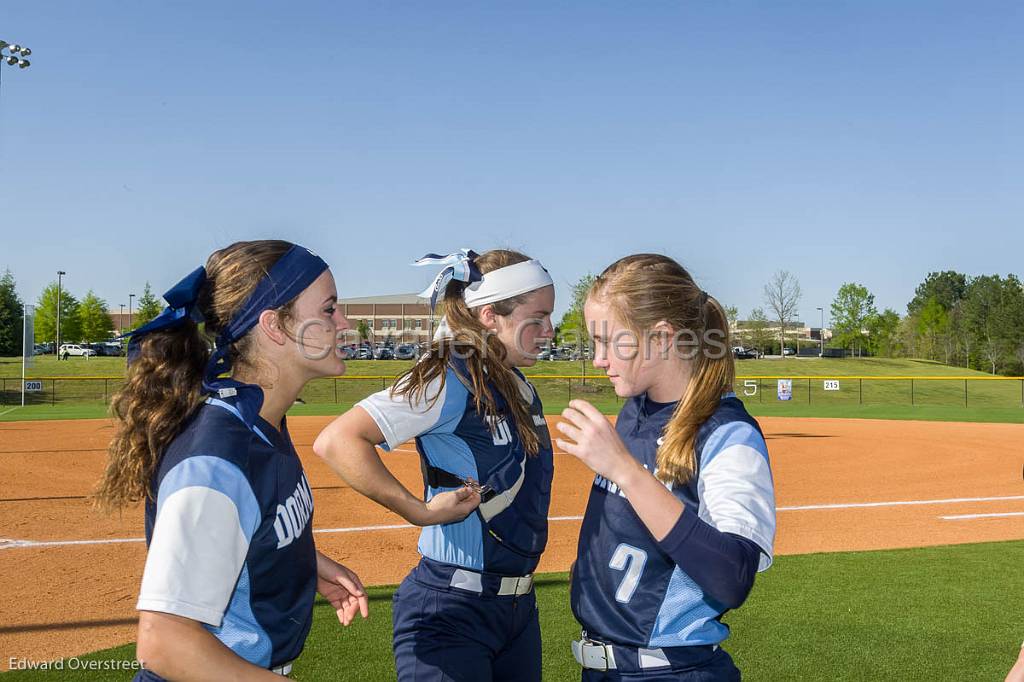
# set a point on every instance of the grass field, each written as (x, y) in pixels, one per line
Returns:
(49, 366)
(937, 613)
(883, 393)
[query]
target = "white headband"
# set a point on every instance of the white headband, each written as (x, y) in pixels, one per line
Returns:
(506, 282)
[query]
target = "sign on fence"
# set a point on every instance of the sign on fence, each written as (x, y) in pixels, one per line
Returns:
(831, 384)
(33, 386)
(785, 389)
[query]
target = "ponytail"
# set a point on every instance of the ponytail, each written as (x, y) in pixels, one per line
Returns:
(164, 385)
(713, 374)
(161, 393)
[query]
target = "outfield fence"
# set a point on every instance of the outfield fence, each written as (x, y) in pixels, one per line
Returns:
(556, 391)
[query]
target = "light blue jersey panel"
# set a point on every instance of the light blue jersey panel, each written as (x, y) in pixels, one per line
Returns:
(454, 543)
(240, 631)
(686, 616)
(728, 435)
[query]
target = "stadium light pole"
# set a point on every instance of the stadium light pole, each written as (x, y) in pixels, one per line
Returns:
(56, 347)
(821, 333)
(13, 55)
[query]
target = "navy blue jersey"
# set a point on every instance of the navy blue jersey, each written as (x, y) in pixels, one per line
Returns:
(451, 435)
(230, 536)
(625, 589)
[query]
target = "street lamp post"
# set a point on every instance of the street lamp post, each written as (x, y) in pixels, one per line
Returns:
(821, 332)
(130, 298)
(120, 320)
(56, 347)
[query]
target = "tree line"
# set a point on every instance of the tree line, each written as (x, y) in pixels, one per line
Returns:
(82, 320)
(956, 319)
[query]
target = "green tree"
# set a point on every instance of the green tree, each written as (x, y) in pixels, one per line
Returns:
(573, 327)
(851, 310)
(947, 288)
(988, 315)
(11, 311)
(363, 329)
(46, 316)
(757, 330)
(94, 318)
(149, 307)
(933, 326)
(884, 333)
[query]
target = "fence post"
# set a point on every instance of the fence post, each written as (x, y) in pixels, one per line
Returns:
(53, 395)
(965, 392)
(335, 390)
(808, 391)
(1022, 392)
(570, 389)
(105, 391)
(911, 392)
(760, 394)
(860, 390)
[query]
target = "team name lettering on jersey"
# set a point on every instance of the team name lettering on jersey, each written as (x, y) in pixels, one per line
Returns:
(500, 431)
(294, 514)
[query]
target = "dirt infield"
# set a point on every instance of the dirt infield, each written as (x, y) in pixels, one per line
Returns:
(840, 485)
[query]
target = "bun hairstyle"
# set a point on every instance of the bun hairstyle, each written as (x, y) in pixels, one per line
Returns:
(164, 385)
(482, 351)
(645, 289)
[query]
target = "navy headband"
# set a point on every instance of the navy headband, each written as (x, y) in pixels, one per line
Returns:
(287, 278)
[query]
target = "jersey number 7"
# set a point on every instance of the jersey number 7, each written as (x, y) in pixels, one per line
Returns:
(632, 560)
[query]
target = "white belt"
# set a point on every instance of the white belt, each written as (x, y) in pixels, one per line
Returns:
(471, 581)
(285, 669)
(600, 656)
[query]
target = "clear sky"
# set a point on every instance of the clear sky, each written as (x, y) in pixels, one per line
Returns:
(848, 140)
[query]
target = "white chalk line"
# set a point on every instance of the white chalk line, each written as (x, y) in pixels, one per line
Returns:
(903, 503)
(6, 543)
(10, 410)
(995, 515)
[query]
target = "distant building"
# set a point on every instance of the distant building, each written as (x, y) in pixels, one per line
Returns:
(403, 318)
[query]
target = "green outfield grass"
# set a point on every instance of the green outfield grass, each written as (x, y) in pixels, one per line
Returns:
(868, 388)
(48, 366)
(938, 613)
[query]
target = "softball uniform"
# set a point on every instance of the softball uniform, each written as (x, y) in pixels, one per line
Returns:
(652, 610)
(467, 611)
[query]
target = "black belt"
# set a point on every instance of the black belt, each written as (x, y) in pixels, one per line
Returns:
(436, 477)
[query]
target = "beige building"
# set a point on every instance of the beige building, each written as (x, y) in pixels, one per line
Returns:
(403, 318)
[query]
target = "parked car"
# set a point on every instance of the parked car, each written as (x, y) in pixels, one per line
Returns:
(385, 353)
(788, 351)
(544, 354)
(364, 353)
(106, 349)
(741, 353)
(76, 350)
(405, 351)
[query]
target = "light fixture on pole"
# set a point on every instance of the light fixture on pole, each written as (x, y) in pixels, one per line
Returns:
(14, 55)
(821, 332)
(56, 346)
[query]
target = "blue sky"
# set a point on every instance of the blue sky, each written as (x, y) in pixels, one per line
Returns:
(868, 141)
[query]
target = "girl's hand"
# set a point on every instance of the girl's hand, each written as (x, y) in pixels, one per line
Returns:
(342, 588)
(449, 506)
(595, 442)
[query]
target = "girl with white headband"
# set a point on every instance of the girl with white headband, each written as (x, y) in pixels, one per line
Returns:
(467, 611)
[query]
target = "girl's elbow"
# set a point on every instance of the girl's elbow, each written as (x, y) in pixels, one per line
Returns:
(322, 446)
(151, 646)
